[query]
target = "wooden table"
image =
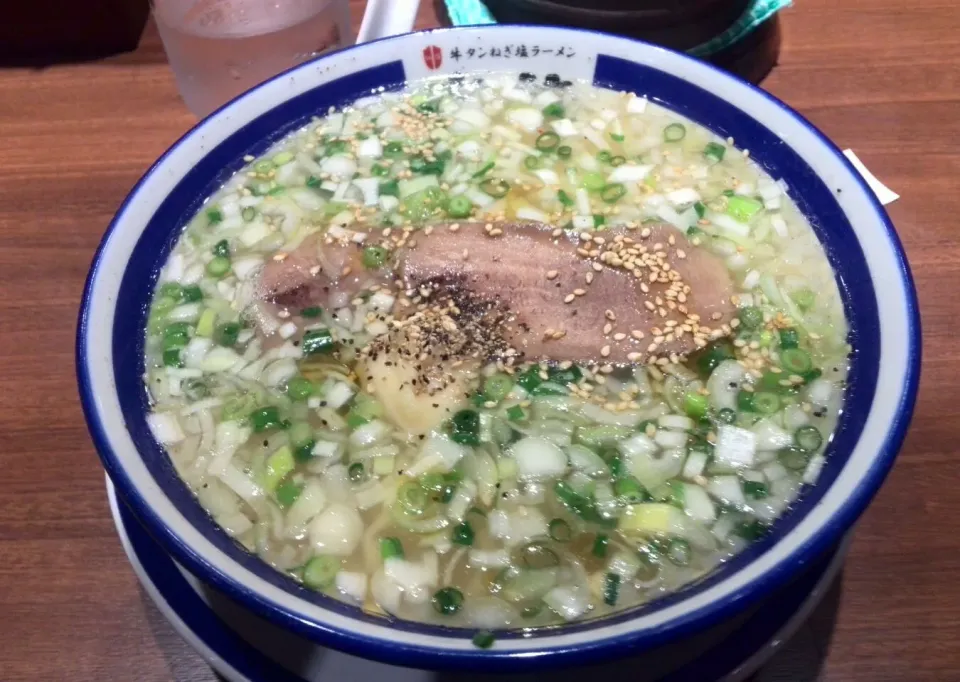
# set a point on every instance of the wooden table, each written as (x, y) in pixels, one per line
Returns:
(872, 74)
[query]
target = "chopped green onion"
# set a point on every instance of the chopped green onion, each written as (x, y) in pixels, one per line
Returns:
(214, 216)
(463, 534)
(317, 341)
(564, 151)
(312, 311)
(374, 257)
(742, 209)
(756, 490)
(611, 589)
(170, 290)
(547, 141)
(616, 137)
(700, 208)
(304, 451)
(531, 162)
(497, 387)
(678, 552)
(393, 150)
(287, 493)
(413, 498)
(615, 462)
(447, 600)
(176, 335)
(560, 530)
(495, 187)
(808, 438)
(603, 156)
(320, 571)
(487, 167)
(391, 188)
(570, 375)
(484, 639)
(429, 107)
(537, 555)
(312, 183)
(751, 530)
(356, 472)
(227, 334)
(695, 404)
(599, 220)
(219, 266)
(794, 458)
(674, 132)
(751, 317)
(765, 402)
(191, 294)
(278, 465)
(465, 428)
(795, 360)
(205, 323)
(565, 198)
(554, 110)
(613, 192)
(530, 378)
(237, 407)
(629, 490)
(171, 357)
(727, 193)
(391, 547)
(618, 161)
(299, 388)
(459, 207)
(265, 418)
(789, 338)
(593, 182)
(745, 401)
(727, 416)
(335, 147)
(221, 249)
(355, 421)
(531, 610)
(379, 171)
(713, 356)
(714, 151)
(418, 164)
(600, 545)
(515, 413)
(804, 298)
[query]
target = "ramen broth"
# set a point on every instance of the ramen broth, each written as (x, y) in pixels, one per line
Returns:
(497, 353)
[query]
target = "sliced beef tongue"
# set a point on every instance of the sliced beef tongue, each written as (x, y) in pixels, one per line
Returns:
(614, 296)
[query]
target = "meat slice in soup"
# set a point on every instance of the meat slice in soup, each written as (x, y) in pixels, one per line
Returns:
(614, 298)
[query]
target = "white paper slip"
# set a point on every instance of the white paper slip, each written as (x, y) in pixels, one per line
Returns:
(884, 193)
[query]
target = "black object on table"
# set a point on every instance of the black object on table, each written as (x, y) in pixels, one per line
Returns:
(677, 24)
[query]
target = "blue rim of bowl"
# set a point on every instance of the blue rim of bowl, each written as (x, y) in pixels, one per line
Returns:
(411, 654)
(725, 657)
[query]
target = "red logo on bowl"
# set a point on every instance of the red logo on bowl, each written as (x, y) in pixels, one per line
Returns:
(432, 57)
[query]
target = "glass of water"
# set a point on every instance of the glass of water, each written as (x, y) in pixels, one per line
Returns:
(220, 48)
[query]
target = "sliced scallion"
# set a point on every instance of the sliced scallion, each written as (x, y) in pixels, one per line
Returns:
(674, 132)
(495, 187)
(808, 438)
(547, 141)
(613, 192)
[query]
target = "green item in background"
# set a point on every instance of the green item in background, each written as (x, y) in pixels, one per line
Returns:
(474, 13)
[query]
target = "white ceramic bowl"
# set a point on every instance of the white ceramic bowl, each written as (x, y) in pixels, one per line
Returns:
(871, 270)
